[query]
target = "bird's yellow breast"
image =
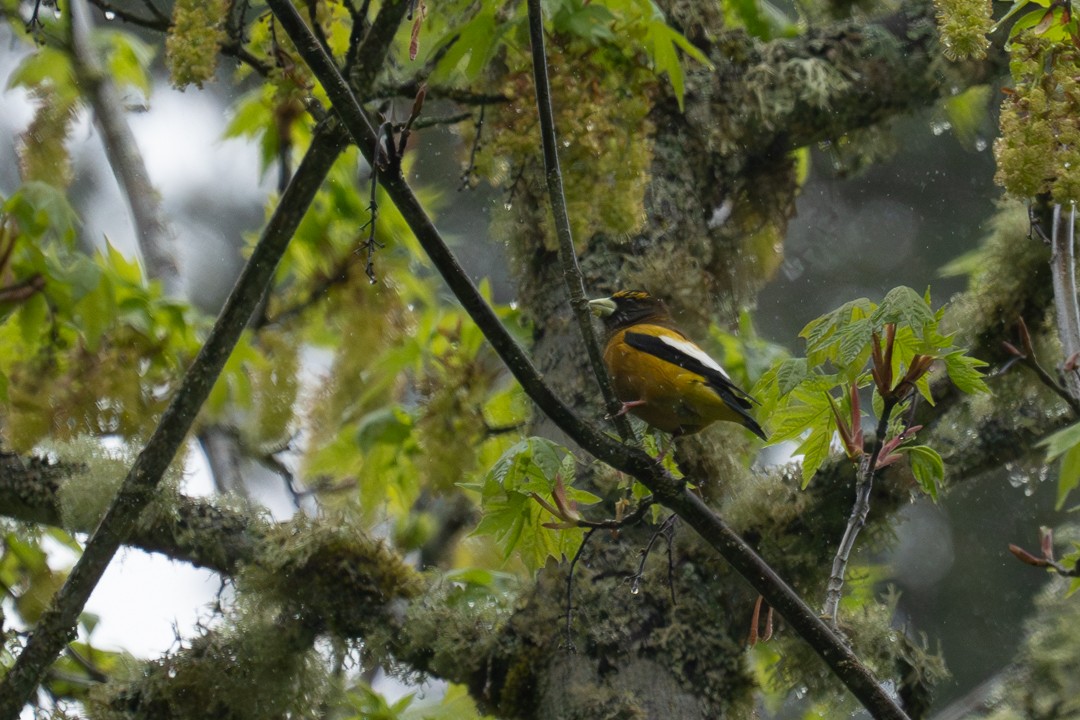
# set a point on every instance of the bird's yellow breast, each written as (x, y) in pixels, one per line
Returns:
(673, 399)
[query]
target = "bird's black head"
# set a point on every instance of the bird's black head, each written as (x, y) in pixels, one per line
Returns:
(629, 307)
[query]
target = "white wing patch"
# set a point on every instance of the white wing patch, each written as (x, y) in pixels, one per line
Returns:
(688, 348)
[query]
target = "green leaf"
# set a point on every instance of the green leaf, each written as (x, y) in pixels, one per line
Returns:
(1068, 475)
(791, 374)
(1060, 442)
(46, 67)
(963, 370)
(1017, 7)
(967, 112)
(127, 270)
(905, 307)
(42, 210)
(821, 333)
(511, 515)
(33, 318)
(927, 467)
(127, 57)
(815, 450)
(477, 40)
(590, 21)
(389, 425)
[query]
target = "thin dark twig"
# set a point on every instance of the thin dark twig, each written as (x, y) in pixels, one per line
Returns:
(491, 431)
(619, 523)
(35, 18)
(373, 206)
(571, 271)
(662, 531)
(670, 537)
(93, 671)
(161, 24)
(570, 585)
(1025, 355)
(339, 275)
(467, 174)
(155, 11)
(461, 96)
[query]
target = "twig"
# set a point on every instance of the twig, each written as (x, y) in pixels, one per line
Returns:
(1047, 559)
(856, 521)
(155, 11)
(613, 525)
(1025, 355)
(57, 625)
(570, 585)
(93, 671)
(161, 24)
(459, 95)
(221, 446)
(467, 173)
(633, 461)
(571, 271)
(1067, 312)
(442, 120)
(152, 231)
(664, 531)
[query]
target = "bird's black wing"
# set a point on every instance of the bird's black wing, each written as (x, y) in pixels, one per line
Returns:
(736, 398)
(718, 381)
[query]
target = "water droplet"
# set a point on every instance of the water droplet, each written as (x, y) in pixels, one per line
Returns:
(508, 206)
(1015, 475)
(939, 128)
(566, 143)
(980, 144)
(635, 587)
(793, 268)
(110, 15)
(57, 14)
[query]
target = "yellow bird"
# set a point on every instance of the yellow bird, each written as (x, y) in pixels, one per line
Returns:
(661, 375)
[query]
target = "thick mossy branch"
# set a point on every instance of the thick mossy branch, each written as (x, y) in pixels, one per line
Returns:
(194, 530)
(259, 667)
(331, 570)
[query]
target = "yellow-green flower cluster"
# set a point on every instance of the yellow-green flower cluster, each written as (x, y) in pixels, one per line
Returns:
(192, 46)
(601, 107)
(1039, 147)
(963, 25)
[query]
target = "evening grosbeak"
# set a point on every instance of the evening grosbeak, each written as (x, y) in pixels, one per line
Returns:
(660, 375)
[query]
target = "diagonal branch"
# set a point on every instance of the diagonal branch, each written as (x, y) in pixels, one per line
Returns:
(571, 271)
(667, 490)
(152, 231)
(56, 626)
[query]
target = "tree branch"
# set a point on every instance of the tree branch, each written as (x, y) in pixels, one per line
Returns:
(667, 489)
(571, 271)
(864, 484)
(195, 531)
(57, 624)
(152, 231)
(1067, 313)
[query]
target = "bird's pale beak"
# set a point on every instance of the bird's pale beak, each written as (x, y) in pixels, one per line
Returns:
(602, 307)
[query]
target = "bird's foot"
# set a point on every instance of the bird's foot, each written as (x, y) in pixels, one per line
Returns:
(627, 407)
